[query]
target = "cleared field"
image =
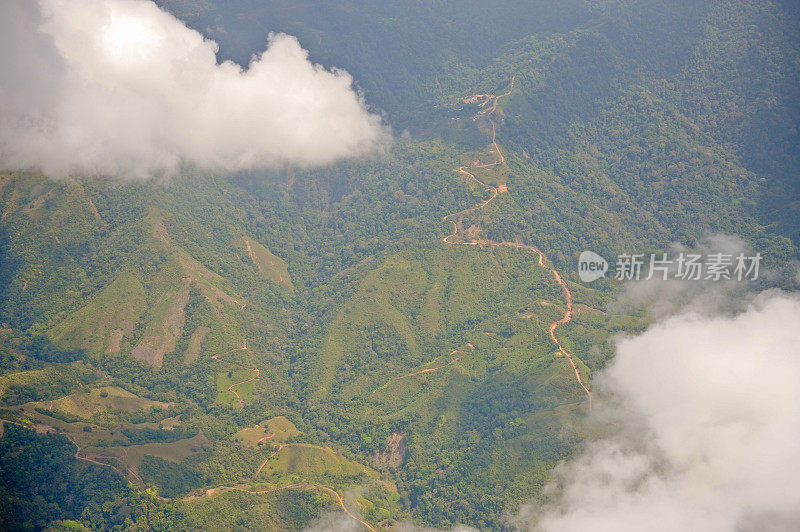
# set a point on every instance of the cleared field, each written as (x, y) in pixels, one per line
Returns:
(51, 382)
(271, 267)
(195, 343)
(107, 398)
(174, 451)
(282, 428)
(311, 461)
(239, 377)
(286, 509)
(84, 434)
(277, 429)
(28, 378)
(164, 327)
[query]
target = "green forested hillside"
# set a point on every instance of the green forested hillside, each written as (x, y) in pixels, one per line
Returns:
(168, 327)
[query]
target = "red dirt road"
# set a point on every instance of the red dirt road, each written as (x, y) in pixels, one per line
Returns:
(489, 243)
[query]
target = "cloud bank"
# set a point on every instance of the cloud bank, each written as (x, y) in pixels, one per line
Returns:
(710, 430)
(122, 88)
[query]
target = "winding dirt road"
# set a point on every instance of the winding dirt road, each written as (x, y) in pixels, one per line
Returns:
(232, 386)
(431, 370)
(254, 377)
(490, 243)
(267, 459)
(86, 458)
(477, 164)
(567, 314)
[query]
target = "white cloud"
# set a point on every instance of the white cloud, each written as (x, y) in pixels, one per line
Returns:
(120, 87)
(709, 415)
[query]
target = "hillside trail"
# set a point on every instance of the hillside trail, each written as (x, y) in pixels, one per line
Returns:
(131, 472)
(501, 160)
(232, 386)
(431, 370)
(464, 170)
(78, 456)
(78, 448)
(267, 459)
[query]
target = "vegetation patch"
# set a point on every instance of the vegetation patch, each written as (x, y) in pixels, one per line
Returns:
(314, 462)
(271, 267)
(277, 429)
(84, 405)
(174, 452)
(109, 318)
(287, 509)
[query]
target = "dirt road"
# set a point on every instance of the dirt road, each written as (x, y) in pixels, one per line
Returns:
(431, 370)
(489, 243)
(232, 386)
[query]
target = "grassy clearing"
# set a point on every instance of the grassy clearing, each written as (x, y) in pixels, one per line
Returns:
(174, 451)
(48, 383)
(283, 429)
(227, 378)
(491, 175)
(271, 267)
(30, 377)
(274, 430)
(253, 436)
(85, 434)
(305, 461)
(108, 398)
